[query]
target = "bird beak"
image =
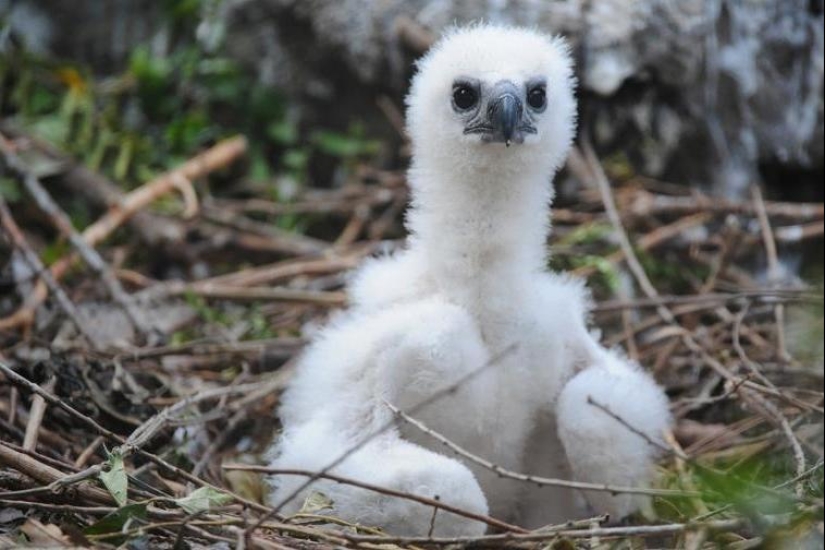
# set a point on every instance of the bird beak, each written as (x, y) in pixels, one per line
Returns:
(504, 113)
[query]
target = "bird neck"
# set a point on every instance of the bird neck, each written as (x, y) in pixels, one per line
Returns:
(480, 224)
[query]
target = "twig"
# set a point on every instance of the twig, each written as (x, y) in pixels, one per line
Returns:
(775, 416)
(19, 241)
(55, 401)
(59, 508)
(624, 241)
(87, 453)
(541, 481)
(773, 268)
(316, 297)
(798, 233)
(434, 503)
(448, 390)
(214, 158)
(675, 449)
(153, 229)
(497, 541)
(747, 387)
(36, 412)
(49, 475)
(62, 222)
(645, 204)
(605, 409)
(743, 356)
(650, 291)
(279, 240)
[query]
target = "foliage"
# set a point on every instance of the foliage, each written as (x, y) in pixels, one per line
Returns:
(203, 499)
(115, 479)
(164, 105)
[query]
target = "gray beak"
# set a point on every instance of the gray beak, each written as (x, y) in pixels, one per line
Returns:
(504, 113)
(502, 117)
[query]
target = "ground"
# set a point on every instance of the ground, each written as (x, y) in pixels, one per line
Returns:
(161, 276)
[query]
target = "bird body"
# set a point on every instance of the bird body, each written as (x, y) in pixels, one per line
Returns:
(491, 116)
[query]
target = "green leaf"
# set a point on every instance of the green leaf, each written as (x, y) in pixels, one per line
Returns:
(55, 251)
(259, 168)
(316, 502)
(43, 101)
(51, 128)
(203, 499)
(295, 159)
(115, 479)
(9, 189)
(337, 145)
(115, 521)
(283, 132)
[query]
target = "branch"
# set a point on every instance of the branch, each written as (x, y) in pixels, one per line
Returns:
(62, 222)
(543, 481)
(212, 159)
(437, 504)
(19, 241)
(448, 390)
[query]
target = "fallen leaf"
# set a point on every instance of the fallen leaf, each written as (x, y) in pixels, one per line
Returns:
(115, 479)
(115, 521)
(316, 502)
(203, 499)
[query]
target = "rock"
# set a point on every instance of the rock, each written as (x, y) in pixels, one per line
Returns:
(709, 92)
(702, 91)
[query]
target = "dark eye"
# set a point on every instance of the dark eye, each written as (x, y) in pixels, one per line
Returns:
(464, 97)
(537, 97)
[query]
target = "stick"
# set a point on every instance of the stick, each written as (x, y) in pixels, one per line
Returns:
(650, 291)
(212, 159)
(498, 541)
(38, 409)
(646, 204)
(436, 504)
(773, 268)
(542, 481)
(137, 437)
(19, 241)
(448, 390)
(48, 475)
(83, 247)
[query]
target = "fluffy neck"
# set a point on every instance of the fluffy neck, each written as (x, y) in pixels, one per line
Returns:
(476, 224)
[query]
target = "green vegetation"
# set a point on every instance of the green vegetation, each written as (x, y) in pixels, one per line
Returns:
(162, 108)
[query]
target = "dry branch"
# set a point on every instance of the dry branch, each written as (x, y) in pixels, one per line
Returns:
(19, 241)
(210, 160)
(83, 246)
(536, 480)
(436, 504)
(433, 398)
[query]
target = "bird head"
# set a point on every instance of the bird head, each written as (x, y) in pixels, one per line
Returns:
(493, 94)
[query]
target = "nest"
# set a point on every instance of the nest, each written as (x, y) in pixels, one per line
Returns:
(134, 408)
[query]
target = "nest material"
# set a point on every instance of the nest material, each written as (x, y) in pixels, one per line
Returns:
(139, 433)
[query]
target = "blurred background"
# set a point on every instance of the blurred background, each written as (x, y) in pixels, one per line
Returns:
(715, 93)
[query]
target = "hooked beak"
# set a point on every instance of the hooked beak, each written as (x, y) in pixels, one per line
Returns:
(505, 116)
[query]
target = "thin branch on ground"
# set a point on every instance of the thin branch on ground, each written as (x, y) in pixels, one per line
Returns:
(434, 503)
(536, 480)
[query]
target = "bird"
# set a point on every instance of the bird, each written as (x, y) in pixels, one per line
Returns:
(469, 305)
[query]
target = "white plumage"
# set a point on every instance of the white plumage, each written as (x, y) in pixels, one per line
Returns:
(491, 116)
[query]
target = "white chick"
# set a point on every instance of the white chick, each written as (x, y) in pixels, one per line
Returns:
(491, 116)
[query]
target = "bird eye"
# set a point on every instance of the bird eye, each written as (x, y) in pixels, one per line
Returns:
(537, 97)
(464, 97)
